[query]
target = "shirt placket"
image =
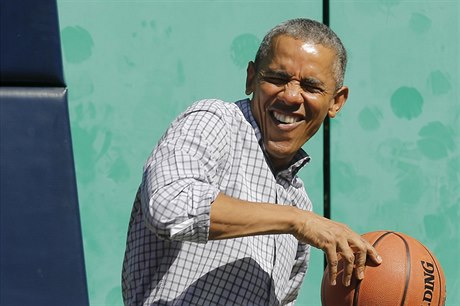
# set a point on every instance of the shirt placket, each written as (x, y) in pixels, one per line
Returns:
(281, 257)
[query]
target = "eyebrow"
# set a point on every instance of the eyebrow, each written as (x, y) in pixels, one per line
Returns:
(313, 81)
(277, 73)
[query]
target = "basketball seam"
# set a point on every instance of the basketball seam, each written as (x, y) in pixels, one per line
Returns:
(408, 267)
(356, 294)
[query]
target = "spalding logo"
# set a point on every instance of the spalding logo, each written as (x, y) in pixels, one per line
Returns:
(428, 273)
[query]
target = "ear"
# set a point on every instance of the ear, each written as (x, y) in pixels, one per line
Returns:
(250, 78)
(339, 100)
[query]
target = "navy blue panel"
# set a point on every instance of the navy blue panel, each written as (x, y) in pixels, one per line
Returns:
(30, 50)
(41, 254)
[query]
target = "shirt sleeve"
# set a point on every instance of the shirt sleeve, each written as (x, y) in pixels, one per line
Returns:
(181, 177)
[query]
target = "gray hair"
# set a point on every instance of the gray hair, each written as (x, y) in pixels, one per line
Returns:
(309, 31)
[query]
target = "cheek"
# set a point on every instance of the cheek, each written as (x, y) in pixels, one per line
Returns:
(318, 107)
(268, 90)
(263, 97)
(258, 109)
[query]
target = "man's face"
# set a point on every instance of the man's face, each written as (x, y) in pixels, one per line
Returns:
(293, 91)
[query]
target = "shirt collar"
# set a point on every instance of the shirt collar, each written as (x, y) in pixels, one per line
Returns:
(300, 159)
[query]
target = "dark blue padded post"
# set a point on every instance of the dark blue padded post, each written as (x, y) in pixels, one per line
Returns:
(41, 252)
(30, 43)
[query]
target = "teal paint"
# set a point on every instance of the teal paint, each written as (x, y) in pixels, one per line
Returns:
(436, 140)
(439, 83)
(399, 132)
(77, 43)
(419, 23)
(369, 118)
(407, 102)
(243, 49)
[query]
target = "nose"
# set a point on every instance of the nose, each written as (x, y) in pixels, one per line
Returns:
(292, 93)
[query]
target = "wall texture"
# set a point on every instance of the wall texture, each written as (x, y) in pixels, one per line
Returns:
(132, 66)
(395, 148)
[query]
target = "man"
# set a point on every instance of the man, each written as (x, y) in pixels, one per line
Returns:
(221, 217)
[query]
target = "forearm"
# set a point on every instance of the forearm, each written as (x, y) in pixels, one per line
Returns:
(231, 218)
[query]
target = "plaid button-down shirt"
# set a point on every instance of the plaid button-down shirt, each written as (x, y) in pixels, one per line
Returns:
(212, 147)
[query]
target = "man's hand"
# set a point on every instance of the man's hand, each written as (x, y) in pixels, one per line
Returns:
(336, 239)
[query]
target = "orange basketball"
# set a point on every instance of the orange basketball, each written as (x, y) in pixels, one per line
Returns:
(409, 275)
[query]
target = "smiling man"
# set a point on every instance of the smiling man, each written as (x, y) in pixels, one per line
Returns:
(221, 217)
(295, 88)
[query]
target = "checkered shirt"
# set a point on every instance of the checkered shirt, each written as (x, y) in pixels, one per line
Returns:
(212, 147)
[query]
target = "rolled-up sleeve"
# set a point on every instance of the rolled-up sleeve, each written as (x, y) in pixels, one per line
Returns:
(181, 177)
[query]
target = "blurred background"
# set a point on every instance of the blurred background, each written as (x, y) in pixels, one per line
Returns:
(132, 66)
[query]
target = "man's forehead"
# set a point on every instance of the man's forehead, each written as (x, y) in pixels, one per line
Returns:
(297, 50)
(285, 37)
(291, 47)
(314, 63)
(310, 47)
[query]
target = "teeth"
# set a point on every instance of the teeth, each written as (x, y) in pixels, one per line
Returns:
(284, 118)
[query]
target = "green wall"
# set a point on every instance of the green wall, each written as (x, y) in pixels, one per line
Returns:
(132, 66)
(395, 148)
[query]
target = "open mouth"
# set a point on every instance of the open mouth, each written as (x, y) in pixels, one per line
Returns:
(285, 119)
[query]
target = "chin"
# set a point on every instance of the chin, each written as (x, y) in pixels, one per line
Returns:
(281, 153)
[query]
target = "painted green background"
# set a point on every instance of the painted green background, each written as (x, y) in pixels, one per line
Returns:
(132, 66)
(395, 148)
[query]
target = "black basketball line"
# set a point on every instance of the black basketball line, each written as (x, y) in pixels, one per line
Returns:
(323, 294)
(438, 272)
(408, 267)
(356, 294)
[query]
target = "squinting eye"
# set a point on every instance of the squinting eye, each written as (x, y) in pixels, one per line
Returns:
(275, 80)
(312, 89)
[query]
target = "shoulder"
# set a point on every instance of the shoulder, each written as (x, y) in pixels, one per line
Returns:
(207, 118)
(214, 107)
(210, 114)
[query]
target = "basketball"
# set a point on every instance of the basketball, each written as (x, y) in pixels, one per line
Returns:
(409, 275)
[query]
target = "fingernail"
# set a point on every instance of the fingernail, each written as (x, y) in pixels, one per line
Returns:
(379, 259)
(347, 282)
(333, 282)
(361, 275)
